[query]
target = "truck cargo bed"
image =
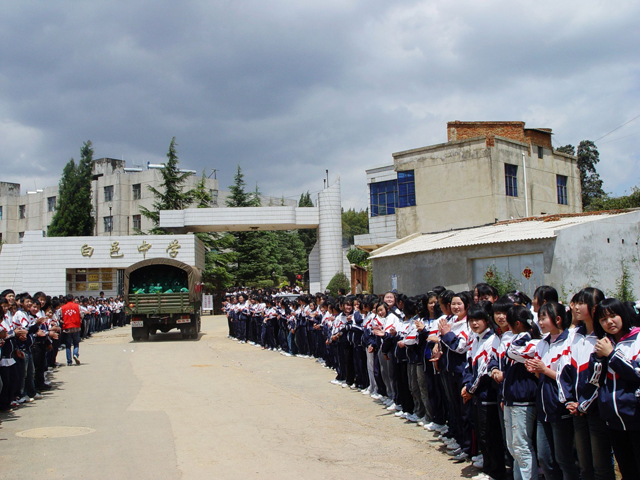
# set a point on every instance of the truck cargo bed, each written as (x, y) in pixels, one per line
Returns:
(160, 303)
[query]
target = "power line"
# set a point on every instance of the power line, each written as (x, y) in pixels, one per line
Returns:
(620, 138)
(618, 128)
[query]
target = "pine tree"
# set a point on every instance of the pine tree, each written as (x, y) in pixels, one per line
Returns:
(239, 197)
(219, 247)
(72, 217)
(173, 196)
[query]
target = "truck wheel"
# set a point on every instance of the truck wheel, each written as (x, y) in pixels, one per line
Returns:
(153, 331)
(140, 334)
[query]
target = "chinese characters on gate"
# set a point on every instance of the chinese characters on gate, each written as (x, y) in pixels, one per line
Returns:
(114, 252)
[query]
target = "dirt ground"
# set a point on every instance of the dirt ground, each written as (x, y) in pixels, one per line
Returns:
(209, 408)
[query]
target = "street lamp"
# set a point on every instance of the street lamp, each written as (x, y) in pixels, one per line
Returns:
(110, 219)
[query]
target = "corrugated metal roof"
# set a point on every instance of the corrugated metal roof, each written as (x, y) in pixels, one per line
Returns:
(533, 229)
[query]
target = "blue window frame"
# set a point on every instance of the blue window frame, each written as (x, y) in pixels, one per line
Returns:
(406, 189)
(561, 186)
(511, 180)
(383, 197)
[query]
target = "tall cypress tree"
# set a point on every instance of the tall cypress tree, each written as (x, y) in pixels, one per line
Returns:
(173, 196)
(72, 217)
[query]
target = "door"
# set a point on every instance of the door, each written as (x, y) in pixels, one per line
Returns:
(525, 271)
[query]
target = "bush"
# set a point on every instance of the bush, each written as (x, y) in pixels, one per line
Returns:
(503, 282)
(339, 281)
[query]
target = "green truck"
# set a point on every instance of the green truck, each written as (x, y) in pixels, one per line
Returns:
(162, 294)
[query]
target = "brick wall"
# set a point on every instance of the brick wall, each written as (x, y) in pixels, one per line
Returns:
(537, 137)
(514, 130)
(461, 130)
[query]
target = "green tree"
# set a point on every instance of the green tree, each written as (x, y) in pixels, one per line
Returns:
(172, 196)
(73, 211)
(339, 281)
(568, 149)
(354, 223)
(588, 158)
(608, 202)
(308, 236)
(238, 196)
(358, 257)
(293, 257)
(219, 247)
(624, 285)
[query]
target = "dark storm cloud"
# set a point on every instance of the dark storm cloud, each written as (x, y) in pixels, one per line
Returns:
(288, 90)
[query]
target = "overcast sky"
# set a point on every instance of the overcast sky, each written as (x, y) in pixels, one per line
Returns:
(288, 89)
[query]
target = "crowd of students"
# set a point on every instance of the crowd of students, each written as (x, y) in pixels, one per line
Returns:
(519, 386)
(32, 331)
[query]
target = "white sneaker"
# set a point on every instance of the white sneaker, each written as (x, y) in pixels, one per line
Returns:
(453, 446)
(387, 401)
(482, 476)
(399, 413)
(345, 385)
(478, 464)
(366, 391)
(336, 382)
(376, 396)
(412, 418)
(398, 407)
(37, 396)
(448, 441)
(392, 406)
(464, 456)
(477, 458)
(353, 387)
(421, 421)
(434, 427)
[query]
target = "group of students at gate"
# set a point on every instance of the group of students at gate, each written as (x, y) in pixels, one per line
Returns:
(32, 331)
(519, 386)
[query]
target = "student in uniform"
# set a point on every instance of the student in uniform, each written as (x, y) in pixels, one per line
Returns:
(519, 388)
(579, 394)
(454, 342)
(479, 390)
(554, 440)
(615, 366)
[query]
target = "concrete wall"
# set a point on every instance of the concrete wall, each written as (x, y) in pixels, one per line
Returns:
(41, 263)
(585, 254)
(419, 272)
(461, 184)
(591, 254)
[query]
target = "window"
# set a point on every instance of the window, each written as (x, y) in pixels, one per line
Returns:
(137, 222)
(0, 237)
(137, 191)
(22, 211)
(108, 193)
(51, 204)
(511, 179)
(0, 213)
(406, 189)
(561, 186)
(108, 224)
(540, 152)
(20, 236)
(383, 197)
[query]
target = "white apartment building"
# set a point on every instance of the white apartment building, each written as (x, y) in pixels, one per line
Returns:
(118, 193)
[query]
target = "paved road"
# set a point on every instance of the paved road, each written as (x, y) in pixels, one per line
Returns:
(211, 408)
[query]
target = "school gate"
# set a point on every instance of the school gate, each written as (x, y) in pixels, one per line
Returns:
(325, 260)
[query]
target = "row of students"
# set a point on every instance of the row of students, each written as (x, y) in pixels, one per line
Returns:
(33, 330)
(519, 386)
